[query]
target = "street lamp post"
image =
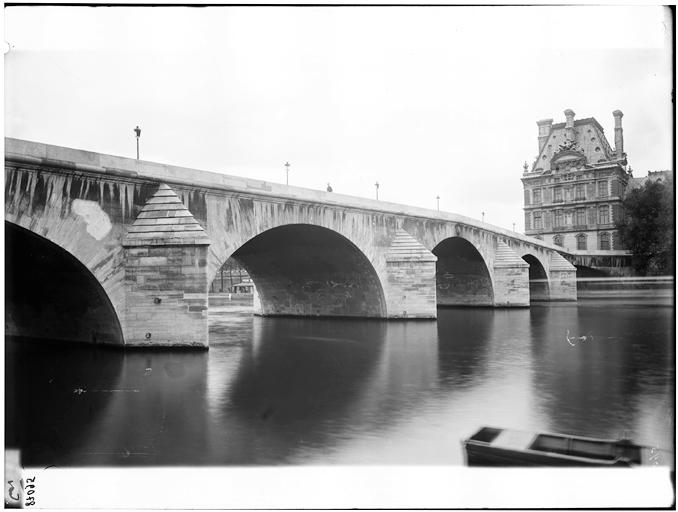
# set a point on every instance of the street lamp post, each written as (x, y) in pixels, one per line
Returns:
(438, 199)
(287, 173)
(137, 131)
(483, 216)
(514, 226)
(376, 186)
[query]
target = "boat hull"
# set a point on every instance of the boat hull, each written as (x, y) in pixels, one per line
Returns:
(479, 455)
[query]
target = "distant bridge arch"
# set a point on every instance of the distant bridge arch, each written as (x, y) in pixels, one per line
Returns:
(539, 281)
(462, 275)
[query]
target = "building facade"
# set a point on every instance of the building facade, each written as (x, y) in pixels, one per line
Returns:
(231, 275)
(574, 189)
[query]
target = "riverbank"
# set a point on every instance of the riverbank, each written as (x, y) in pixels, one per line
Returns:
(659, 287)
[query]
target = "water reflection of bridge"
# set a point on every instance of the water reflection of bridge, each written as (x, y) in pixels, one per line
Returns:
(293, 391)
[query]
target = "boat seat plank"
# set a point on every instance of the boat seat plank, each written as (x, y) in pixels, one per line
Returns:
(514, 439)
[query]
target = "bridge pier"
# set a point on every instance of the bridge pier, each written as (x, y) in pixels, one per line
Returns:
(411, 279)
(562, 279)
(165, 276)
(511, 278)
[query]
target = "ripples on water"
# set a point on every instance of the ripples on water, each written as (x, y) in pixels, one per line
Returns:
(319, 391)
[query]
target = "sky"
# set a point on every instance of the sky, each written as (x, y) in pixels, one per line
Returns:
(428, 101)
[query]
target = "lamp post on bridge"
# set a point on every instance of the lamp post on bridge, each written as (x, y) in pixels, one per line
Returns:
(137, 131)
(376, 186)
(514, 226)
(438, 199)
(287, 173)
(483, 216)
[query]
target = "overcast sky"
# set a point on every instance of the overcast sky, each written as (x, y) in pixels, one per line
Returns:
(426, 100)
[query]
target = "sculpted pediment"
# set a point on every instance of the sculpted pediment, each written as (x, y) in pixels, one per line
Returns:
(568, 158)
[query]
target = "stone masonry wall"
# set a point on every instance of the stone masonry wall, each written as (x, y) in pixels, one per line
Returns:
(411, 289)
(511, 288)
(461, 282)
(563, 285)
(166, 299)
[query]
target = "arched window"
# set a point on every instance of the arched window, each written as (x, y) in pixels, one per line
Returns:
(558, 240)
(581, 242)
(604, 241)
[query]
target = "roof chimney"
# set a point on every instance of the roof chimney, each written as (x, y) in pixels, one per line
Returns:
(569, 125)
(618, 134)
(544, 132)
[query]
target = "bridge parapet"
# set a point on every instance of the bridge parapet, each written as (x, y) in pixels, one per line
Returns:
(185, 178)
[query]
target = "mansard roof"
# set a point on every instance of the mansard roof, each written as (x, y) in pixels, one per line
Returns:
(579, 122)
(589, 141)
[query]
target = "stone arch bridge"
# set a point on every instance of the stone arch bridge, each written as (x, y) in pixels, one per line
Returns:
(148, 239)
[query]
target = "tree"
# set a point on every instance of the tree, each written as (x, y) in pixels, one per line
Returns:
(646, 228)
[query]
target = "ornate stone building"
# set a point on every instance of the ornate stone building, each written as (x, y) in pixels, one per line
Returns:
(573, 191)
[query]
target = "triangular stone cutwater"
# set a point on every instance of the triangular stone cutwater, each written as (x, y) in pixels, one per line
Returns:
(558, 262)
(507, 257)
(165, 220)
(405, 247)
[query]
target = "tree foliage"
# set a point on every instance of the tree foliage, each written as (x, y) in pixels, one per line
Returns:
(646, 228)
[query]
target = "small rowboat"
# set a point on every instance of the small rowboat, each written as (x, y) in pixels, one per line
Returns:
(504, 447)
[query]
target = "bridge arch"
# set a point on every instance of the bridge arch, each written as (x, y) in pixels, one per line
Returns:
(309, 270)
(462, 275)
(52, 295)
(538, 279)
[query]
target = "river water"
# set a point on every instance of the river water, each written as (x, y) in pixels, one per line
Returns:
(276, 391)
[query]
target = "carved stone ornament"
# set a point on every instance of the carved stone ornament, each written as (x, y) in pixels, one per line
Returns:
(569, 145)
(569, 156)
